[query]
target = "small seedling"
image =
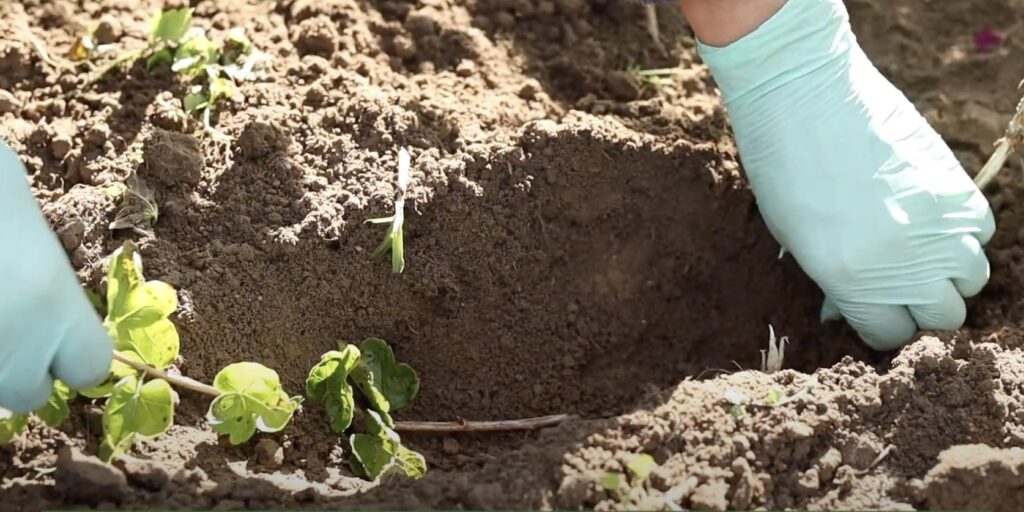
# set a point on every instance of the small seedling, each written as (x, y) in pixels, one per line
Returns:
(85, 48)
(212, 70)
(737, 403)
(771, 361)
(393, 241)
(385, 386)
(139, 210)
(653, 77)
(138, 398)
(640, 468)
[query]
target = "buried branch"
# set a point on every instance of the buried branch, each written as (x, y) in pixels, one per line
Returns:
(400, 426)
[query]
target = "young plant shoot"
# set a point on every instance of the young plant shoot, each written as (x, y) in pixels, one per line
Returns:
(393, 239)
(212, 70)
(138, 400)
(385, 386)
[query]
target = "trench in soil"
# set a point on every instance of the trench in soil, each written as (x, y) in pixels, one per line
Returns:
(573, 275)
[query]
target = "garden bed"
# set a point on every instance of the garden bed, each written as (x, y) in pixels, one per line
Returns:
(577, 242)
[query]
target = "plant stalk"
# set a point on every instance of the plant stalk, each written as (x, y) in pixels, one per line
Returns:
(177, 380)
(481, 426)
(401, 426)
(1004, 146)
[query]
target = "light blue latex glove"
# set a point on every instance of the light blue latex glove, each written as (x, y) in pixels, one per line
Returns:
(850, 178)
(48, 328)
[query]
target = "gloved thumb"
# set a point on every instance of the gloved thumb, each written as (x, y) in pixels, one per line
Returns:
(84, 354)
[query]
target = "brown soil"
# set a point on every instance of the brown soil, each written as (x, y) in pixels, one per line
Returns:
(577, 242)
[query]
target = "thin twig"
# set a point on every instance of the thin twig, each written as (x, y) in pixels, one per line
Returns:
(1004, 146)
(481, 426)
(177, 380)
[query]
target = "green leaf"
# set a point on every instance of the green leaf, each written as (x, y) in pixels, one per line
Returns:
(118, 371)
(398, 382)
(364, 379)
(328, 381)
(641, 466)
(133, 410)
(237, 37)
(379, 452)
(371, 455)
(411, 463)
(138, 311)
(398, 251)
(170, 26)
(222, 88)
(195, 101)
(611, 482)
(11, 425)
(163, 56)
(56, 409)
(145, 304)
(195, 54)
(393, 241)
(156, 345)
(236, 45)
(252, 400)
(124, 274)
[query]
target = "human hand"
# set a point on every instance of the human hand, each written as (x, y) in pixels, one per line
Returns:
(850, 178)
(48, 328)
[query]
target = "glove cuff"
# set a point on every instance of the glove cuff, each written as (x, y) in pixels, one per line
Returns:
(803, 36)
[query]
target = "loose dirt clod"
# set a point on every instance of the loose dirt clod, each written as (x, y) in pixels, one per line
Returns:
(84, 479)
(172, 158)
(976, 477)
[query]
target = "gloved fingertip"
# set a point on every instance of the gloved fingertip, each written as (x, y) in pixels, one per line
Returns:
(881, 327)
(23, 397)
(84, 357)
(945, 312)
(829, 311)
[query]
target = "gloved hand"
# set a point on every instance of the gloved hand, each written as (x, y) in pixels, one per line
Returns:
(850, 178)
(48, 328)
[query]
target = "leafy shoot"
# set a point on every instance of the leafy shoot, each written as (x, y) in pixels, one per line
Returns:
(393, 241)
(212, 69)
(138, 400)
(384, 386)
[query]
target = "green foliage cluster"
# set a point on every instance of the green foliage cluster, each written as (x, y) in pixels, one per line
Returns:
(137, 404)
(384, 386)
(213, 69)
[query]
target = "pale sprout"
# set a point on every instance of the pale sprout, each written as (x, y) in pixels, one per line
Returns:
(771, 360)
